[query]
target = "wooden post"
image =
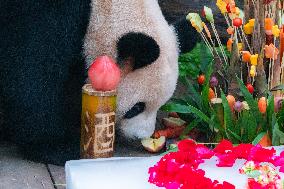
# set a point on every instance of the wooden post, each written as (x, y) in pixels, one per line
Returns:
(258, 43)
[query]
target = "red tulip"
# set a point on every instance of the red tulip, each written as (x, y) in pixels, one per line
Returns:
(104, 74)
(201, 79)
(228, 7)
(237, 22)
(250, 88)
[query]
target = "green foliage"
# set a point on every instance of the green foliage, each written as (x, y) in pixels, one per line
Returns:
(193, 63)
(216, 120)
(251, 102)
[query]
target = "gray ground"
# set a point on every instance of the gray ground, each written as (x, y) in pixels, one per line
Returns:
(17, 173)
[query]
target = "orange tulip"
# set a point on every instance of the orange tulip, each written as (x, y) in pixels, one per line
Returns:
(230, 30)
(229, 44)
(231, 100)
(262, 105)
(211, 94)
(268, 24)
(246, 56)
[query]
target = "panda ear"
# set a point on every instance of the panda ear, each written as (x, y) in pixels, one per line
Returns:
(187, 35)
(140, 48)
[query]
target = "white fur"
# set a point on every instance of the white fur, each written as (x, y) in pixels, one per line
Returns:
(154, 84)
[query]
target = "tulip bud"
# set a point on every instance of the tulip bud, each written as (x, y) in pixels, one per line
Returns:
(248, 29)
(238, 106)
(278, 103)
(246, 56)
(262, 105)
(245, 105)
(230, 44)
(252, 73)
(213, 82)
(211, 94)
(275, 31)
(253, 59)
(231, 100)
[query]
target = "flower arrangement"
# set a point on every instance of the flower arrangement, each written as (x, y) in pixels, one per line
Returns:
(180, 169)
(236, 100)
(219, 104)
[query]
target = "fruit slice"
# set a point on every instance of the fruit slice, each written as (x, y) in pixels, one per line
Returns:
(154, 145)
(169, 132)
(173, 114)
(173, 122)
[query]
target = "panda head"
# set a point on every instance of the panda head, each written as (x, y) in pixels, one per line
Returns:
(149, 80)
(136, 34)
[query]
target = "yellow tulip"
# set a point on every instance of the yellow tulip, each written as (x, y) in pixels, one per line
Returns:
(252, 73)
(248, 29)
(253, 59)
(275, 31)
(240, 46)
(222, 6)
(251, 22)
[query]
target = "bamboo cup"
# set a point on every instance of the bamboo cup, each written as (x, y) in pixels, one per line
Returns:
(97, 123)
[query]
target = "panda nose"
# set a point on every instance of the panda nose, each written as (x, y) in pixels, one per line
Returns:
(135, 110)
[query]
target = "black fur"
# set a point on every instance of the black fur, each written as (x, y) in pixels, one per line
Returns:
(135, 110)
(187, 35)
(42, 72)
(139, 47)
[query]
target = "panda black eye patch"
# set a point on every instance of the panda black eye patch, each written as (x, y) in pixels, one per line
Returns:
(135, 110)
(139, 47)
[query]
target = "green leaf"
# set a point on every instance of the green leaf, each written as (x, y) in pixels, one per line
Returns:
(237, 137)
(252, 103)
(258, 138)
(205, 89)
(194, 95)
(270, 112)
(278, 88)
(186, 109)
(228, 123)
(172, 148)
(189, 127)
(277, 135)
(251, 125)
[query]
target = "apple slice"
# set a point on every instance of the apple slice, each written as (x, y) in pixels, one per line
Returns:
(173, 114)
(154, 145)
(173, 122)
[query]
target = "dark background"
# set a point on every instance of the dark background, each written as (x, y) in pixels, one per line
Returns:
(173, 10)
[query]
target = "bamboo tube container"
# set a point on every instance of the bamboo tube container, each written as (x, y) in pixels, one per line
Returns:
(97, 123)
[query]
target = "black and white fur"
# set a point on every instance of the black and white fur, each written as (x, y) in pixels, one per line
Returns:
(137, 32)
(42, 68)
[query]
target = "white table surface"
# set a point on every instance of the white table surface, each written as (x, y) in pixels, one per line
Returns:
(132, 173)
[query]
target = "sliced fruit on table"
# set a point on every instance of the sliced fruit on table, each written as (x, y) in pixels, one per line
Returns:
(173, 122)
(154, 145)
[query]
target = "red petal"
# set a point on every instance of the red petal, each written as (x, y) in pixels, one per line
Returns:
(223, 146)
(186, 145)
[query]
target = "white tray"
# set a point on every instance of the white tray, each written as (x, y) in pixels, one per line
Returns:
(132, 173)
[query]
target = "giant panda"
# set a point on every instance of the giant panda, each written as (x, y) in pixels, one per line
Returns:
(44, 47)
(136, 34)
